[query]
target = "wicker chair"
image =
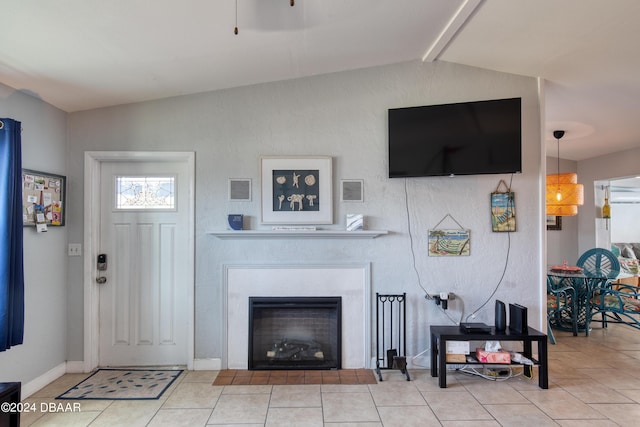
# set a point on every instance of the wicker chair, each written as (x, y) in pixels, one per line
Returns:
(614, 305)
(561, 307)
(600, 264)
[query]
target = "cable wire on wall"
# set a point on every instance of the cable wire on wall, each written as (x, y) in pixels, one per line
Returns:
(413, 255)
(504, 271)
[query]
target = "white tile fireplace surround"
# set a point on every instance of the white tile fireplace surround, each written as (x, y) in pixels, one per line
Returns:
(351, 282)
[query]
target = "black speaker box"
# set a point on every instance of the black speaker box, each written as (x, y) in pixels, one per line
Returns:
(501, 316)
(518, 318)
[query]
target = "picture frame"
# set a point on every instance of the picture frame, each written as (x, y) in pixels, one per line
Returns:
(352, 190)
(446, 243)
(43, 193)
(554, 222)
(296, 190)
(240, 189)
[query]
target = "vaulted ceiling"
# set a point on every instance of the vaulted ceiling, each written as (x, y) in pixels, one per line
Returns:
(84, 54)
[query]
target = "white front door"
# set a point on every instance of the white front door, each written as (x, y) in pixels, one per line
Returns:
(144, 232)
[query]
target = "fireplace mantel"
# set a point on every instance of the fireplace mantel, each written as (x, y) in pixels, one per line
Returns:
(351, 282)
(285, 234)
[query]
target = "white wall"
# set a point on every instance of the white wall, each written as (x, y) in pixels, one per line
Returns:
(624, 222)
(343, 115)
(617, 165)
(45, 257)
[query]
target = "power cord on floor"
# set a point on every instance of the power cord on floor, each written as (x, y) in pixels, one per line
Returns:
(473, 371)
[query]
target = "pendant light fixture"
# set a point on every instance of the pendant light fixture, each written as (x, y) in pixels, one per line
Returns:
(564, 194)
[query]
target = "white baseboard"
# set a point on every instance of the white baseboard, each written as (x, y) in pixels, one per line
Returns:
(36, 384)
(207, 364)
(75, 367)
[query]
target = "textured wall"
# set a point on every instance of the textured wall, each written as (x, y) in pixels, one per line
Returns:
(45, 256)
(343, 115)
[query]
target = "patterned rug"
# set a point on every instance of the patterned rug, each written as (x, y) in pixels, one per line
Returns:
(123, 384)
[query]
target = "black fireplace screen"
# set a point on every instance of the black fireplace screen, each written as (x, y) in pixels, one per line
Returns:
(295, 332)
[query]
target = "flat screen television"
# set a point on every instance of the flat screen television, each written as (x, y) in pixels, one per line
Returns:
(467, 138)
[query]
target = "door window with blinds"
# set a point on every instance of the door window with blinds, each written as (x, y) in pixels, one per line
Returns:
(145, 193)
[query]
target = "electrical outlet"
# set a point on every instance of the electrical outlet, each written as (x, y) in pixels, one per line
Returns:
(74, 249)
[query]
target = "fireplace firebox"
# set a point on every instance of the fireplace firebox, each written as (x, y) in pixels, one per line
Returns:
(295, 333)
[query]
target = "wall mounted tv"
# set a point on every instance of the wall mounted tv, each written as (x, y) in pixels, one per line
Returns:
(468, 138)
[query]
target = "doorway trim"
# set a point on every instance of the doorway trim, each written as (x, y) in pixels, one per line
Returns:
(92, 166)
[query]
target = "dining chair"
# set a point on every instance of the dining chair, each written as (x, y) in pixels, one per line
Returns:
(561, 305)
(601, 267)
(599, 263)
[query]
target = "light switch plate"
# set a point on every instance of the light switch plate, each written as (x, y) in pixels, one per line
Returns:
(74, 249)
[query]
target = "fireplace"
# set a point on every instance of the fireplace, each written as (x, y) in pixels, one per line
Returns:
(351, 282)
(295, 333)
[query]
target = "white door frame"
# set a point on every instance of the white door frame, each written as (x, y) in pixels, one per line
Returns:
(92, 166)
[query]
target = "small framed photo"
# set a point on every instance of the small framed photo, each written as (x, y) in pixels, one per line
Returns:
(240, 189)
(554, 222)
(296, 190)
(352, 190)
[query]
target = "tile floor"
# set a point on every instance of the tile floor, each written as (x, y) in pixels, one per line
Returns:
(594, 381)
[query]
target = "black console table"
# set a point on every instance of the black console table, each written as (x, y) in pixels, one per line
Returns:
(441, 334)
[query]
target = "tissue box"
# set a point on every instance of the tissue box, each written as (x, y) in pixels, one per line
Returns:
(484, 356)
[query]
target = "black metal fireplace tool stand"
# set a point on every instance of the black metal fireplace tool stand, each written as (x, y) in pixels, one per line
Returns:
(391, 333)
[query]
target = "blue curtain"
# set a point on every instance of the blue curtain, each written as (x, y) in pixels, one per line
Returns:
(11, 259)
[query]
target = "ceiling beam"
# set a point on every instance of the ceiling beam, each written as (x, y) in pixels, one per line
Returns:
(451, 29)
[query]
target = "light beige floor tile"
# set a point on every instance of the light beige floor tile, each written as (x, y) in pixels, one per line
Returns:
(66, 419)
(589, 391)
(455, 406)
(587, 423)
(632, 394)
(623, 414)
(247, 389)
(559, 404)
(487, 423)
(431, 384)
(396, 394)
(40, 404)
(60, 385)
(200, 376)
(346, 388)
(407, 416)
(193, 395)
(299, 417)
(128, 412)
(240, 408)
(495, 392)
(612, 378)
(349, 407)
(520, 415)
(180, 418)
(371, 424)
(237, 425)
(594, 381)
(295, 396)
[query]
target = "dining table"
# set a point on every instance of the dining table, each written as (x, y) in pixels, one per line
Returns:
(582, 285)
